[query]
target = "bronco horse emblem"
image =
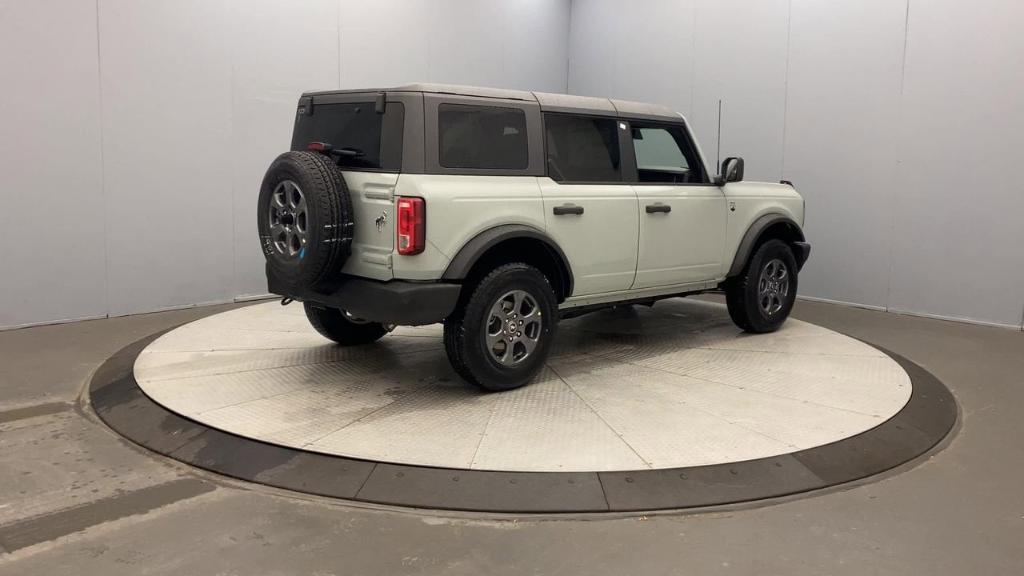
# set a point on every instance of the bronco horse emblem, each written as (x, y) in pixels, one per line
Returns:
(381, 221)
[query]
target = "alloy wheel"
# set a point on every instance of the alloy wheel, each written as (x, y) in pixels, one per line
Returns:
(513, 327)
(772, 287)
(288, 220)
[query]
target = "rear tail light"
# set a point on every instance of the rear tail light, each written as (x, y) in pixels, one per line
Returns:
(412, 225)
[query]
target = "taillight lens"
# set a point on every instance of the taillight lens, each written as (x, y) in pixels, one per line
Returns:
(412, 225)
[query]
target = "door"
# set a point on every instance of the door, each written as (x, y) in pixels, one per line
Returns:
(682, 215)
(589, 210)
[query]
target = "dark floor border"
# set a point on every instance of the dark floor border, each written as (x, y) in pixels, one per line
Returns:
(927, 418)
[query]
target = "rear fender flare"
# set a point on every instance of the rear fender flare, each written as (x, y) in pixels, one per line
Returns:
(471, 252)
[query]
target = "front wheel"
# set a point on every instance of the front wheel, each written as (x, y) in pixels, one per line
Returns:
(761, 298)
(501, 337)
(342, 327)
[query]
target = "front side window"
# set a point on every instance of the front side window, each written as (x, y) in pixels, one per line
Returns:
(482, 137)
(373, 140)
(582, 149)
(663, 154)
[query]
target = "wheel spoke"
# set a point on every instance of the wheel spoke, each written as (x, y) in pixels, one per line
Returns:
(529, 343)
(505, 355)
(517, 301)
(494, 339)
(498, 310)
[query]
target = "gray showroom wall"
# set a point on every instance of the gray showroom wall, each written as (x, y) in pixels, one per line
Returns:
(900, 123)
(134, 133)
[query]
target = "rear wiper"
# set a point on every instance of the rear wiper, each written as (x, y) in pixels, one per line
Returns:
(348, 152)
(326, 148)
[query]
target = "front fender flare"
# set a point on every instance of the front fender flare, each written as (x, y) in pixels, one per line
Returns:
(753, 234)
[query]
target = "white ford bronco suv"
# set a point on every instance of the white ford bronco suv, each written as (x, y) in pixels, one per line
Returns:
(499, 212)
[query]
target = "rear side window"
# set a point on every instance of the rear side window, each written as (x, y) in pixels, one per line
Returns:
(582, 149)
(482, 137)
(375, 140)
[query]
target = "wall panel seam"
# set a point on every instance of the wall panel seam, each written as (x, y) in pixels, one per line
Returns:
(229, 49)
(103, 167)
(897, 159)
(785, 88)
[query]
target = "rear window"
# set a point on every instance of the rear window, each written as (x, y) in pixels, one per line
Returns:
(374, 139)
(482, 137)
(582, 149)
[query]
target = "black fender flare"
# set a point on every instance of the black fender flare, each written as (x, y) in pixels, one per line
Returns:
(468, 255)
(754, 233)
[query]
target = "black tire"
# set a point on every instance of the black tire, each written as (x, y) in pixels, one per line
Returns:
(747, 293)
(336, 325)
(465, 331)
(305, 247)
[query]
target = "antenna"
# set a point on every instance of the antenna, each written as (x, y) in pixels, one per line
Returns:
(718, 141)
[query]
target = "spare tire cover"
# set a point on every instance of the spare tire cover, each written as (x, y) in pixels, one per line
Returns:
(305, 219)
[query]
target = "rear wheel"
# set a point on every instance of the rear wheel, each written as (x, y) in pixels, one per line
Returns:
(342, 327)
(761, 298)
(501, 337)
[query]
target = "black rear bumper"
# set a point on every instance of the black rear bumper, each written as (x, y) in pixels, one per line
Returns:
(399, 302)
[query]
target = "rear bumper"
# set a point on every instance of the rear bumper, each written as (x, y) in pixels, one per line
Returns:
(394, 302)
(801, 251)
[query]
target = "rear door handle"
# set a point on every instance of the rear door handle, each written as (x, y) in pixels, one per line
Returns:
(567, 209)
(653, 208)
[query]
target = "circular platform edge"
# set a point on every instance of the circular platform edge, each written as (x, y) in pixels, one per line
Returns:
(929, 415)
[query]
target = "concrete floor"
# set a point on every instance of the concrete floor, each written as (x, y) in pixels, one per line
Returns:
(76, 498)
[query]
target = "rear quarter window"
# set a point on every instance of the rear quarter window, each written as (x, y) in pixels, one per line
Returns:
(482, 137)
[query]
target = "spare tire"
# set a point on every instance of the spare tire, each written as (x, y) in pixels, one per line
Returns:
(305, 220)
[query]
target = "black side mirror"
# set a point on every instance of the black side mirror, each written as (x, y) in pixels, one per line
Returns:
(732, 171)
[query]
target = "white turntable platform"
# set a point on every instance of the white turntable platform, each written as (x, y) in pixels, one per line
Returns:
(628, 389)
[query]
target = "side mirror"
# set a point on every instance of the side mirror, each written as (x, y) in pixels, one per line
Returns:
(732, 171)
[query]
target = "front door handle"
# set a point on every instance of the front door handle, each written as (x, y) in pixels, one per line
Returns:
(654, 208)
(567, 209)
